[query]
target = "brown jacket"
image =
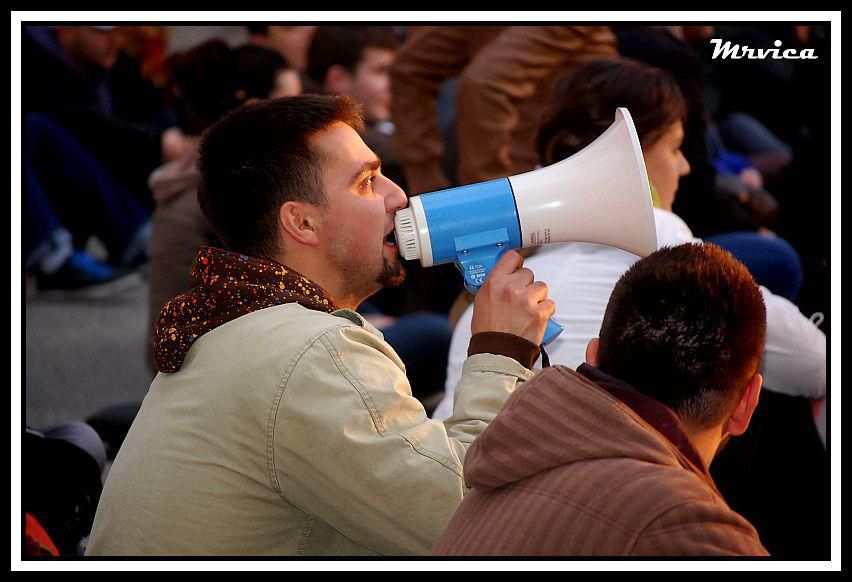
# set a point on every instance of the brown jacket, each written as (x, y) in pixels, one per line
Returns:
(581, 464)
(505, 81)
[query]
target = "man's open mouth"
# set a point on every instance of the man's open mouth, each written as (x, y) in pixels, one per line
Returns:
(390, 239)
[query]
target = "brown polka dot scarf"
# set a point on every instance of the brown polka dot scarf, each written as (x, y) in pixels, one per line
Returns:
(229, 285)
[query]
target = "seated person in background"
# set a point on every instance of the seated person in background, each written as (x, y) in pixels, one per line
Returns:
(581, 276)
(613, 459)
(69, 196)
(505, 78)
(708, 204)
(356, 61)
(208, 81)
(291, 42)
(281, 423)
(80, 77)
(61, 483)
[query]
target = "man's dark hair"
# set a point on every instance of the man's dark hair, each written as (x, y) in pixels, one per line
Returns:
(585, 101)
(259, 157)
(345, 46)
(686, 326)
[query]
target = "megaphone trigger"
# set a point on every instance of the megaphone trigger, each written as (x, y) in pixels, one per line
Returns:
(476, 255)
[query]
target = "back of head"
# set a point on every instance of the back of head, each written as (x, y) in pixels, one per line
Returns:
(259, 157)
(584, 102)
(257, 68)
(344, 46)
(203, 79)
(686, 326)
(211, 79)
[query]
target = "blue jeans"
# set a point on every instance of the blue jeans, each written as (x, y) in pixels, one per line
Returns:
(772, 261)
(64, 186)
(746, 135)
(422, 341)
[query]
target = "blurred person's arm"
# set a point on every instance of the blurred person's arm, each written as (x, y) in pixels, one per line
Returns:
(794, 360)
(175, 144)
(505, 72)
(430, 56)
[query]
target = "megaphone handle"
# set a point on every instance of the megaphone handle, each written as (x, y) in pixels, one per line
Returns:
(551, 332)
(476, 263)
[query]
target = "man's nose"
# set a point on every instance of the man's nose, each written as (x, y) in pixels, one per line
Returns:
(395, 199)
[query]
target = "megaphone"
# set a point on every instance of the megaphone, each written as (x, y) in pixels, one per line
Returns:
(600, 195)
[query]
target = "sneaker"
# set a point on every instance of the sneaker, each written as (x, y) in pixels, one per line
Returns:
(80, 270)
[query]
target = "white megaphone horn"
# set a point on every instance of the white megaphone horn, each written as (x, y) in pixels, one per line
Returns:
(600, 195)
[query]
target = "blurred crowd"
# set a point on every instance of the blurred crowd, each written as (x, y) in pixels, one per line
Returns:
(737, 153)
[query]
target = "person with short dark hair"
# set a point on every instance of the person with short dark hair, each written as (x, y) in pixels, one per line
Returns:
(613, 459)
(677, 334)
(281, 422)
(356, 61)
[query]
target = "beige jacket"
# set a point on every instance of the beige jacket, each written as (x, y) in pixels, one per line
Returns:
(290, 431)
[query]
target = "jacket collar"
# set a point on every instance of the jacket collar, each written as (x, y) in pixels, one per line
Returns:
(661, 418)
(230, 285)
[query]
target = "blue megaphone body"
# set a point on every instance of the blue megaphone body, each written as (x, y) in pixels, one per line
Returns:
(600, 195)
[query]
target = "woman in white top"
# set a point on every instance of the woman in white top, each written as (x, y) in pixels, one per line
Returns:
(581, 276)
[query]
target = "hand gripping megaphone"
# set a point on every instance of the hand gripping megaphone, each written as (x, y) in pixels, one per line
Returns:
(600, 195)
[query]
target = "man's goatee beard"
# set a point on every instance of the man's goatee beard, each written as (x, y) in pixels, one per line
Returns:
(392, 275)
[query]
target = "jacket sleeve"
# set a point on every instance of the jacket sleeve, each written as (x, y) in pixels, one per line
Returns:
(699, 528)
(353, 448)
(794, 359)
(505, 72)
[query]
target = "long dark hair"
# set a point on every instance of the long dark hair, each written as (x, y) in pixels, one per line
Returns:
(585, 101)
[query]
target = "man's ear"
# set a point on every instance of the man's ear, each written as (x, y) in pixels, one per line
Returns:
(592, 352)
(738, 423)
(338, 80)
(300, 221)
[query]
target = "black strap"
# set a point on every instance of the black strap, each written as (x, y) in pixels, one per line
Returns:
(545, 361)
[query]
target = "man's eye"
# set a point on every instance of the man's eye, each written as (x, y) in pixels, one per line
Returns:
(367, 184)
